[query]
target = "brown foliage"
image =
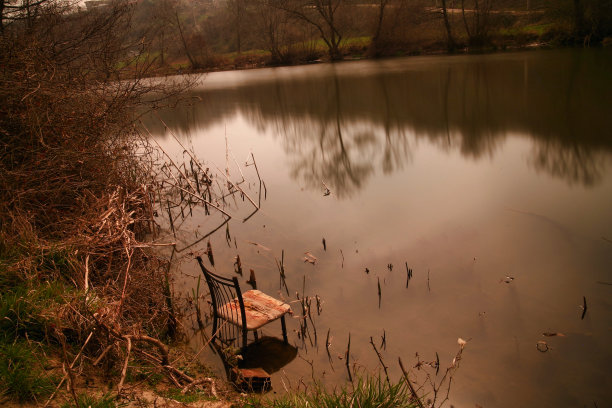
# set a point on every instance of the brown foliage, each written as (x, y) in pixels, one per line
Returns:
(75, 179)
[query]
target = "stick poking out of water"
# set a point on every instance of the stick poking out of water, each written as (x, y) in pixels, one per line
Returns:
(381, 360)
(252, 280)
(346, 358)
(412, 391)
(379, 293)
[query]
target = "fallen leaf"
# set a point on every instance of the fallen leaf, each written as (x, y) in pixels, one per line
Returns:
(461, 342)
(542, 346)
(259, 245)
(309, 255)
(551, 334)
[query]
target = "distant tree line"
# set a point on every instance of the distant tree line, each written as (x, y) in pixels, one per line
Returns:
(204, 34)
(207, 33)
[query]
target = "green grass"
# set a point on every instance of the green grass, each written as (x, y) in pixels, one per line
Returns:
(253, 52)
(363, 41)
(105, 401)
(321, 46)
(22, 376)
(26, 311)
(368, 392)
(537, 29)
(145, 57)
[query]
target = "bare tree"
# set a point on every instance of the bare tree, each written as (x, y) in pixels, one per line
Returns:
(273, 29)
(323, 15)
(27, 10)
(236, 10)
(382, 4)
(174, 14)
(451, 45)
(477, 27)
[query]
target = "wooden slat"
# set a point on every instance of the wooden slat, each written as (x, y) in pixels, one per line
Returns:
(259, 308)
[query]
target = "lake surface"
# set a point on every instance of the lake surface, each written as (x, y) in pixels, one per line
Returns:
(469, 169)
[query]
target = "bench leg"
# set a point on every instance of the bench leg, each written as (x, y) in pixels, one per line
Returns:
(284, 329)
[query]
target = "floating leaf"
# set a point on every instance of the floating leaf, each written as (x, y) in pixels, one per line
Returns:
(310, 258)
(259, 245)
(461, 342)
(542, 346)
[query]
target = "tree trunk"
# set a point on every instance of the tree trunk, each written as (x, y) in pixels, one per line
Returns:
(578, 20)
(193, 63)
(381, 16)
(449, 35)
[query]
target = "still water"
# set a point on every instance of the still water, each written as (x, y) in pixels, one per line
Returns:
(468, 169)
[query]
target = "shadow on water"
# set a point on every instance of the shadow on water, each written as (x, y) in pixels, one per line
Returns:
(344, 122)
(269, 354)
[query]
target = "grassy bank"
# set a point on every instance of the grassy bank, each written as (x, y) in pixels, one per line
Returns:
(365, 392)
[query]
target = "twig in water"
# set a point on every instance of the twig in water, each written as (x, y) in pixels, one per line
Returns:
(381, 360)
(170, 217)
(412, 391)
(342, 259)
(346, 358)
(252, 280)
(408, 275)
(319, 305)
(311, 364)
(379, 293)
(209, 253)
(238, 265)
(428, 287)
(281, 271)
(196, 299)
(324, 245)
(228, 238)
(584, 307)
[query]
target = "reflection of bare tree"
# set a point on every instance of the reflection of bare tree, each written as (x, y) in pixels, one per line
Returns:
(342, 123)
(575, 164)
(336, 157)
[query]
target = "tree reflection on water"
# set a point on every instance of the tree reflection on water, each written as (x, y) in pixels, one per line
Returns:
(341, 123)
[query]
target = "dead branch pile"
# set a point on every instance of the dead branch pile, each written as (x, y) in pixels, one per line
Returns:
(76, 188)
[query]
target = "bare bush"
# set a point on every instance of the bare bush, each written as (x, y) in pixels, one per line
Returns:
(76, 187)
